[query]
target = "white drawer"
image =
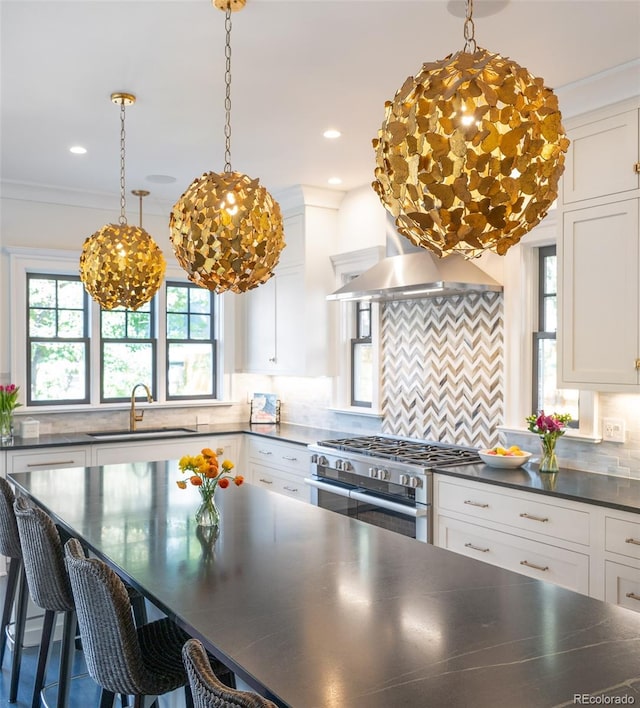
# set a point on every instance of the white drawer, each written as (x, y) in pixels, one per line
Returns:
(537, 560)
(285, 456)
(622, 536)
(28, 460)
(622, 585)
(522, 511)
(280, 482)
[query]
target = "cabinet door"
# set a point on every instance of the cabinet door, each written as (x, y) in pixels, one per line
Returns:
(290, 325)
(600, 160)
(261, 328)
(598, 336)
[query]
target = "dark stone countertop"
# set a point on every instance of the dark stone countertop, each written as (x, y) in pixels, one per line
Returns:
(316, 609)
(287, 432)
(577, 485)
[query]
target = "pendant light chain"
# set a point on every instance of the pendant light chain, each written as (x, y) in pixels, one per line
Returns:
(123, 201)
(470, 45)
(227, 99)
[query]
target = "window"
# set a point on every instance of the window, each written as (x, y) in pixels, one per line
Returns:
(191, 348)
(362, 357)
(57, 340)
(128, 351)
(545, 394)
(66, 351)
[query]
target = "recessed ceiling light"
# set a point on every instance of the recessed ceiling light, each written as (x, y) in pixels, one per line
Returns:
(78, 150)
(160, 179)
(332, 133)
(334, 180)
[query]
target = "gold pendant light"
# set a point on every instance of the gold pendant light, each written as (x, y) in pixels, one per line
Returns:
(121, 265)
(226, 230)
(470, 152)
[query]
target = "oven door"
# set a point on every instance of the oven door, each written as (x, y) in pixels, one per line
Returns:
(410, 520)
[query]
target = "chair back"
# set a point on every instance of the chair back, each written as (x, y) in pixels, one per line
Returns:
(43, 558)
(109, 639)
(207, 690)
(9, 537)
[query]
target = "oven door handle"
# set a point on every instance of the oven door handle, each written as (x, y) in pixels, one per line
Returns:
(413, 512)
(333, 488)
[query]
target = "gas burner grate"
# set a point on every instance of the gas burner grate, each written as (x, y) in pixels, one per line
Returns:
(410, 451)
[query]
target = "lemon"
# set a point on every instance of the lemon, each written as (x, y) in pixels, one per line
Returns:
(500, 451)
(514, 448)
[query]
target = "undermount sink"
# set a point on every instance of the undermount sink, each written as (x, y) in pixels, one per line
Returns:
(142, 433)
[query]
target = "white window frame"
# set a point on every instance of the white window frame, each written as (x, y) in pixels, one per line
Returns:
(520, 320)
(346, 266)
(53, 262)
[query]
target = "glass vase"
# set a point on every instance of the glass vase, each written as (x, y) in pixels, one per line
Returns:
(208, 514)
(6, 427)
(548, 460)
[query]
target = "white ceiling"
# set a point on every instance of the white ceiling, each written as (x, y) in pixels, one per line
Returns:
(298, 67)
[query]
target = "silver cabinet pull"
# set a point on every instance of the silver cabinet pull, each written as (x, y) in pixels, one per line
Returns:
(53, 462)
(265, 481)
(533, 518)
(478, 504)
(632, 540)
(476, 548)
(533, 565)
(265, 452)
(291, 489)
(291, 459)
(633, 596)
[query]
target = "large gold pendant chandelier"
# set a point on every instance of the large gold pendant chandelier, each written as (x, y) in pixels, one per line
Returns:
(121, 265)
(226, 230)
(470, 152)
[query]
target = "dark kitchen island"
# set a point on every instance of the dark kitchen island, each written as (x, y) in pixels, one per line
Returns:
(316, 610)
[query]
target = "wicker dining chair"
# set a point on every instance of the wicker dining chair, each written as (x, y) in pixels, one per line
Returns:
(17, 592)
(207, 690)
(146, 661)
(43, 558)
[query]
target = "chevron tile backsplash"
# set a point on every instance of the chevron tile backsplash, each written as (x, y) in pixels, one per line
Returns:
(442, 368)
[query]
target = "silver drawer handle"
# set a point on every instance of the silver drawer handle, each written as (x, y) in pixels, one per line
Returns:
(265, 452)
(291, 459)
(632, 540)
(533, 565)
(633, 596)
(472, 503)
(48, 464)
(476, 548)
(533, 518)
(266, 481)
(291, 489)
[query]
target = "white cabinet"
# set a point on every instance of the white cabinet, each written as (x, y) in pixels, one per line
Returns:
(599, 253)
(520, 531)
(622, 559)
(600, 160)
(48, 458)
(174, 449)
(288, 320)
(278, 466)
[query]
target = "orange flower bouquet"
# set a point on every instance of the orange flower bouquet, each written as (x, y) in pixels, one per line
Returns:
(207, 474)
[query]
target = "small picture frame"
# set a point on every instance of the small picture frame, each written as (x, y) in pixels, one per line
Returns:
(265, 408)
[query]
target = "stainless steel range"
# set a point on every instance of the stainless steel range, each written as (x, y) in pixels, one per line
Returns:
(385, 481)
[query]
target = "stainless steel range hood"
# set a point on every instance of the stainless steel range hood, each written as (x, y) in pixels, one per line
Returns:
(415, 273)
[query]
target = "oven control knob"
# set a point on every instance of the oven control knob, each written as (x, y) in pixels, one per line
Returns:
(338, 464)
(404, 480)
(373, 473)
(415, 482)
(322, 461)
(314, 459)
(347, 466)
(383, 474)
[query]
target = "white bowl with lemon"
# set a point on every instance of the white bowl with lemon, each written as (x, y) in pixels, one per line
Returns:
(505, 457)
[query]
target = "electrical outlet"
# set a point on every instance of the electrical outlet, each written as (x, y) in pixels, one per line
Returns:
(613, 430)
